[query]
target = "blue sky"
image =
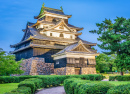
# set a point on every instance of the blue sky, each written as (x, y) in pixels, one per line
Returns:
(14, 15)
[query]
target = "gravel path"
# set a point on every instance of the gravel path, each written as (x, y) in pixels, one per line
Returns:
(105, 80)
(53, 90)
(56, 90)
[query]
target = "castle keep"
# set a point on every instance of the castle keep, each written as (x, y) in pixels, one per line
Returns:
(52, 46)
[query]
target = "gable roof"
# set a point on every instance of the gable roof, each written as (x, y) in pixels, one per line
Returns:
(36, 35)
(52, 11)
(71, 48)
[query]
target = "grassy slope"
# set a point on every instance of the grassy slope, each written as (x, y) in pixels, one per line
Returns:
(107, 75)
(119, 82)
(7, 87)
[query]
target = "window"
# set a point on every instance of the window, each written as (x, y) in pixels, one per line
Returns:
(71, 37)
(50, 34)
(61, 35)
(57, 62)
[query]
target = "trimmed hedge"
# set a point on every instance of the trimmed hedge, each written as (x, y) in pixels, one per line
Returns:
(21, 90)
(9, 79)
(78, 86)
(17, 79)
(37, 82)
(71, 83)
(121, 89)
(14, 79)
(119, 78)
(52, 80)
(28, 84)
(95, 88)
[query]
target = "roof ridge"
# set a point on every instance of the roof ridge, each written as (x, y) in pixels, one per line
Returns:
(53, 9)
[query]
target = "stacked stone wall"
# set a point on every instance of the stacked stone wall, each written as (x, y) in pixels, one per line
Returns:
(70, 70)
(37, 66)
(60, 71)
(88, 70)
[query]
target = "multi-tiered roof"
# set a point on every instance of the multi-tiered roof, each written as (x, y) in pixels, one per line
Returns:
(52, 25)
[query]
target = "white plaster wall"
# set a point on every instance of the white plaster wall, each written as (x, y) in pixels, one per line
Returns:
(89, 56)
(55, 34)
(40, 26)
(64, 28)
(57, 16)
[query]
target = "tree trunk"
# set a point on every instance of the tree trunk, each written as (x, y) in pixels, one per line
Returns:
(122, 73)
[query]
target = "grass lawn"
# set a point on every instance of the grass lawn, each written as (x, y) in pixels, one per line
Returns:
(7, 87)
(107, 75)
(119, 82)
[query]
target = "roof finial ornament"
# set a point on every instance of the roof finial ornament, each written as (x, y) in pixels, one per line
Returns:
(61, 8)
(28, 23)
(43, 4)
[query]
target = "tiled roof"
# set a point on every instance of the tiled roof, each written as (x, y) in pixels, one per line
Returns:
(35, 34)
(71, 47)
(54, 11)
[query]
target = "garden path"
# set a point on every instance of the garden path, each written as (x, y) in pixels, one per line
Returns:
(56, 90)
(52, 90)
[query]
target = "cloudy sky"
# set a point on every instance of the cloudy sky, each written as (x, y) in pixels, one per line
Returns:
(14, 15)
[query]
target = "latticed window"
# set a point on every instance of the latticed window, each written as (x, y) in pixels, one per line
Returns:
(61, 35)
(50, 34)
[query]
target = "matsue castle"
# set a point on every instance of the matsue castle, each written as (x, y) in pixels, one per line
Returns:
(52, 46)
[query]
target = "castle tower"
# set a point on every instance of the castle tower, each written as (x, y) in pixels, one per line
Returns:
(55, 41)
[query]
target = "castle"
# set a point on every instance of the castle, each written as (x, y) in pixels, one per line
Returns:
(52, 46)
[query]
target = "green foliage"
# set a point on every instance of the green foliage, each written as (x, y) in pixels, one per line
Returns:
(105, 63)
(30, 84)
(21, 90)
(37, 82)
(115, 38)
(9, 79)
(78, 86)
(8, 65)
(120, 78)
(95, 88)
(14, 79)
(52, 80)
(121, 89)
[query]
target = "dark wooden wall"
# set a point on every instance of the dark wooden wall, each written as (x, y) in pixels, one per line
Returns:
(62, 63)
(45, 53)
(74, 62)
(25, 54)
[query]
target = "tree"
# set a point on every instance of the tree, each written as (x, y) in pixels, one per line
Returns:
(8, 65)
(105, 63)
(115, 38)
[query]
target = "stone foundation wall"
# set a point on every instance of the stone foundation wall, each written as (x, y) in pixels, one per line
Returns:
(37, 66)
(64, 71)
(60, 71)
(88, 70)
(70, 70)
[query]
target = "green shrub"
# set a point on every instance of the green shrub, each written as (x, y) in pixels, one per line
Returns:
(67, 83)
(72, 88)
(121, 89)
(30, 84)
(120, 78)
(112, 78)
(21, 90)
(37, 82)
(9, 79)
(14, 79)
(52, 80)
(95, 88)
(22, 78)
(78, 86)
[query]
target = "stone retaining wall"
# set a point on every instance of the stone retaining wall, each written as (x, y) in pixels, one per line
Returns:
(37, 66)
(88, 70)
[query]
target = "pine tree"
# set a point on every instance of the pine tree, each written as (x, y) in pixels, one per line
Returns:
(115, 38)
